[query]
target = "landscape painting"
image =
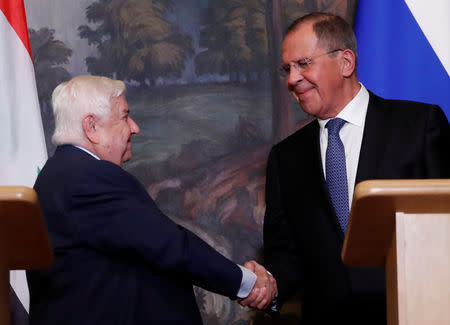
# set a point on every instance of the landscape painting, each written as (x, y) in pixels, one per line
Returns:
(204, 86)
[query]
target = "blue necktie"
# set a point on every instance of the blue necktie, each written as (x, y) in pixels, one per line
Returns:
(337, 172)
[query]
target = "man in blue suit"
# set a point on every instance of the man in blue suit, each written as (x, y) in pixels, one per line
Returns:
(118, 258)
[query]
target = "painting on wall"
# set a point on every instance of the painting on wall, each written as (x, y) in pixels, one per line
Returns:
(203, 85)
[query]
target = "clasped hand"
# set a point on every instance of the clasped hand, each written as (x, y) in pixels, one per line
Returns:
(264, 290)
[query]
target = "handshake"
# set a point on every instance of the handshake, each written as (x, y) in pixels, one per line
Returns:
(264, 290)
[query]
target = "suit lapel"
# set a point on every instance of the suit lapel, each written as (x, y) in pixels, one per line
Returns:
(373, 142)
(372, 148)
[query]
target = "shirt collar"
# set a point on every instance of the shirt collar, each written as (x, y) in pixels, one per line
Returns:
(355, 111)
(87, 151)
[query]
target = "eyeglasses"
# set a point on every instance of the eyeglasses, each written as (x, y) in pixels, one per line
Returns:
(302, 64)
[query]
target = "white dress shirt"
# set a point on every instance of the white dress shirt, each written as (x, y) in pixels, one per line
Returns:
(354, 113)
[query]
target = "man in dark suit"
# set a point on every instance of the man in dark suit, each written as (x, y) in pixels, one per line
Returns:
(118, 258)
(311, 174)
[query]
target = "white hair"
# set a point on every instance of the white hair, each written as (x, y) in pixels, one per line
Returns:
(74, 99)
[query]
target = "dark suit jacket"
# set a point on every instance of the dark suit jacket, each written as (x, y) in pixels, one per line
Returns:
(118, 259)
(302, 237)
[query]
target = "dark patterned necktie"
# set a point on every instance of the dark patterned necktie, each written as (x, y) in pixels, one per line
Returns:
(336, 172)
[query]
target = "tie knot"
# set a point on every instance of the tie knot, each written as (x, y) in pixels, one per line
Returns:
(334, 125)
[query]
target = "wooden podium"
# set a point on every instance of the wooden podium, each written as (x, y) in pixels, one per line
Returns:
(24, 242)
(404, 225)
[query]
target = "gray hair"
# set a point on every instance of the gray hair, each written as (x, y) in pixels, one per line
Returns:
(74, 99)
(332, 31)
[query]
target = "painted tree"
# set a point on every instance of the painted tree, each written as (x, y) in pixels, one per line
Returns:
(282, 120)
(48, 56)
(343, 8)
(234, 39)
(135, 41)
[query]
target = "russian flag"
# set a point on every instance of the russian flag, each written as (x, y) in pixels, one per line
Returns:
(404, 49)
(22, 151)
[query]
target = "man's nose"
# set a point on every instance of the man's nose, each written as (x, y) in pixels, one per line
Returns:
(294, 76)
(133, 126)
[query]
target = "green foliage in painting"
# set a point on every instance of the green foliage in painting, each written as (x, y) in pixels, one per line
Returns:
(234, 38)
(135, 41)
(48, 55)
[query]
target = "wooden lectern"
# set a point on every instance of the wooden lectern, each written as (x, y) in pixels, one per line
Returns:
(24, 242)
(404, 225)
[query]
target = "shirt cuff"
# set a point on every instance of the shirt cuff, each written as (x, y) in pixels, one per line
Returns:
(247, 283)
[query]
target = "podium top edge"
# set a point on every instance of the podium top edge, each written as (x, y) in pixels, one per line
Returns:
(403, 186)
(17, 193)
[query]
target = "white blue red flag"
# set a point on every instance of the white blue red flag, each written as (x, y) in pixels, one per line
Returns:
(404, 49)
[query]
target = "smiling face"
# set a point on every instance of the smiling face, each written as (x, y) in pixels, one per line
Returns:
(115, 132)
(318, 87)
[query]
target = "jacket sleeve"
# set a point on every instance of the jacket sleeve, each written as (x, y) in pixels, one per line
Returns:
(281, 255)
(112, 213)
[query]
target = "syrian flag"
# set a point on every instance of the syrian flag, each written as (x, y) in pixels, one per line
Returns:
(404, 49)
(23, 151)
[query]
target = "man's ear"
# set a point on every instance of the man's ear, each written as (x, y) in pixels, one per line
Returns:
(90, 128)
(348, 63)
